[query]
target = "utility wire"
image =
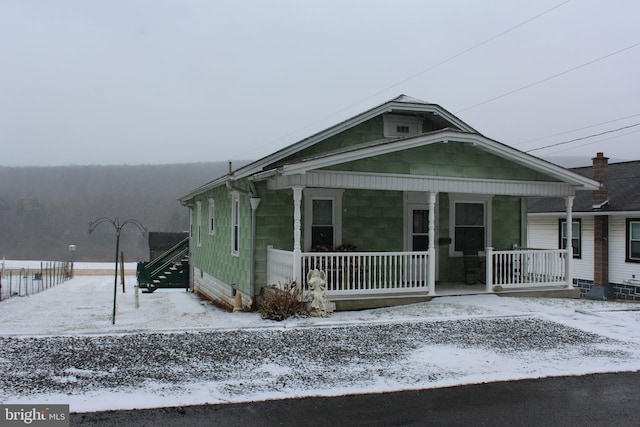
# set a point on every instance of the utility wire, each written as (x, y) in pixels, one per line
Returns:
(583, 138)
(591, 143)
(574, 130)
(549, 78)
(432, 67)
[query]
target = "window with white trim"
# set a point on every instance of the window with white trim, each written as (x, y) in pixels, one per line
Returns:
(397, 125)
(199, 223)
(212, 216)
(633, 240)
(470, 223)
(235, 223)
(323, 219)
(576, 236)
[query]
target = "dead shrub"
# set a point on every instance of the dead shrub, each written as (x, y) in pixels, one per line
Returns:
(279, 302)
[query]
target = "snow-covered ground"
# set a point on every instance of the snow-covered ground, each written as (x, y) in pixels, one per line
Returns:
(59, 346)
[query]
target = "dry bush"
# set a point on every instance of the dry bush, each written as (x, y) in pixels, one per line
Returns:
(279, 302)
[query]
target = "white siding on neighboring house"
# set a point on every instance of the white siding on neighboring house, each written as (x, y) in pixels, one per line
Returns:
(619, 270)
(583, 268)
(543, 233)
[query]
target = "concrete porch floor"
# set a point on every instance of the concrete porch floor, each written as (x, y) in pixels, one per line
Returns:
(449, 289)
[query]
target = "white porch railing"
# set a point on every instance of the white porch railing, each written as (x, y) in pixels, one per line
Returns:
(359, 273)
(526, 268)
(356, 274)
(279, 266)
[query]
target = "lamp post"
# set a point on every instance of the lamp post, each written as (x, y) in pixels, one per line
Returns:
(118, 227)
(72, 250)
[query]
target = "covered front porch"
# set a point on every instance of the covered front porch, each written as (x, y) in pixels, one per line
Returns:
(370, 275)
(353, 274)
(383, 224)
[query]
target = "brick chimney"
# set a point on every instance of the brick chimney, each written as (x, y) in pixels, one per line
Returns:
(600, 174)
(601, 290)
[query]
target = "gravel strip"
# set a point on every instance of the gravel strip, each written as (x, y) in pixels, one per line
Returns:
(269, 359)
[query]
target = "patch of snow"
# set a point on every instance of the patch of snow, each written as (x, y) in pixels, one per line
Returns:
(60, 346)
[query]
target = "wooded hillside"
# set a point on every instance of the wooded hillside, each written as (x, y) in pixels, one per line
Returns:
(43, 210)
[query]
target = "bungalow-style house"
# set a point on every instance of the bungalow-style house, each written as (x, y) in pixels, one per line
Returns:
(386, 203)
(605, 230)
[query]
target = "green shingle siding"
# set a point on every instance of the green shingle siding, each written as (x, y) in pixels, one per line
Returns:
(214, 255)
(370, 130)
(453, 159)
(372, 220)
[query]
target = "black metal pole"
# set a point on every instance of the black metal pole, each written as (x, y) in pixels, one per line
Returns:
(115, 280)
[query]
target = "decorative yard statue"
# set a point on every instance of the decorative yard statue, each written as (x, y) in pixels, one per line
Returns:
(316, 280)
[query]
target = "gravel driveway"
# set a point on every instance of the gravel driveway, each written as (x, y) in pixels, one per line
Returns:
(248, 363)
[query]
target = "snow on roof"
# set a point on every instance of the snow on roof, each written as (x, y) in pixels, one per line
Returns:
(410, 100)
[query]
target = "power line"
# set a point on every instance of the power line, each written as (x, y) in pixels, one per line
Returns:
(576, 129)
(593, 142)
(583, 138)
(549, 78)
(432, 67)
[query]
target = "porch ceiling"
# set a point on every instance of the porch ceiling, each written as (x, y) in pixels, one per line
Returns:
(397, 182)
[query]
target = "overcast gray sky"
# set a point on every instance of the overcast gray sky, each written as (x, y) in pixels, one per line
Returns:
(159, 81)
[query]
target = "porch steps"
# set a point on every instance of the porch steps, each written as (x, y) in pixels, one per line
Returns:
(169, 270)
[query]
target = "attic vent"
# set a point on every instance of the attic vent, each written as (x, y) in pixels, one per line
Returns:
(396, 125)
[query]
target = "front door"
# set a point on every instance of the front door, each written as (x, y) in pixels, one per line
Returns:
(416, 224)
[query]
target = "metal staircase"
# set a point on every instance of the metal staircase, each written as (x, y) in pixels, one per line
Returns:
(169, 270)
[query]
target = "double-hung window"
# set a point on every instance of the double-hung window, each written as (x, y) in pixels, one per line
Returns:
(323, 219)
(633, 240)
(470, 219)
(235, 224)
(576, 236)
(212, 216)
(199, 223)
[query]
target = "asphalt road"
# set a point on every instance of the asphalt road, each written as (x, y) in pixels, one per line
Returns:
(592, 400)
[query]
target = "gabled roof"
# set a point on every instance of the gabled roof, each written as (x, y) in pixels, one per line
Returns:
(389, 145)
(456, 130)
(623, 192)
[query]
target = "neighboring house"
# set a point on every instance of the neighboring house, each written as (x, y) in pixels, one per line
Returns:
(606, 230)
(385, 203)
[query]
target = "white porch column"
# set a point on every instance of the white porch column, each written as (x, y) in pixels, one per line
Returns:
(431, 284)
(297, 248)
(489, 269)
(569, 236)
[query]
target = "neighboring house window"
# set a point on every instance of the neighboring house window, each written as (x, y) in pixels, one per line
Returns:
(235, 224)
(212, 216)
(633, 240)
(323, 219)
(470, 218)
(191, 222)
(199, 223)
(576, 237)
